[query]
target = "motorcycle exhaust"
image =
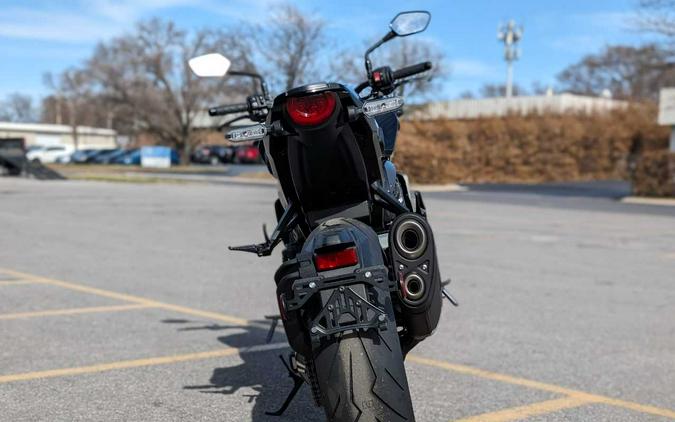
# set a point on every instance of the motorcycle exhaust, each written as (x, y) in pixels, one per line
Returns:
(411, 239)
(413, 288)
(413, 260)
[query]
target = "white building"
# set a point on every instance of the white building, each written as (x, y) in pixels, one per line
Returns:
(58, 135)
(497, 107)
(667, 112)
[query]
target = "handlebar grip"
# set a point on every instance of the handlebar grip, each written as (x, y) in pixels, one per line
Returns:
(412, 70)
(228, 109)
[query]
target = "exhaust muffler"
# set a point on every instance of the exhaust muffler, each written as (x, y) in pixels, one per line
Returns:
(413, 288)
(411, 239)
(413, 259)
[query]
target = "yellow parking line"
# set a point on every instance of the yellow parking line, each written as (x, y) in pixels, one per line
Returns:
(15, 282)
(129, 298)
(522, 412)
(136, 363)
(579, 395)
(73, 311)
(116, 365)
(508, 379)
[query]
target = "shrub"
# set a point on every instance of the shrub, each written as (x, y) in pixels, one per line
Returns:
(530, 148)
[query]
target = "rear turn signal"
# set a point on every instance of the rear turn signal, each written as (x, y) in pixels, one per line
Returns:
(311, 110)
(338, 259)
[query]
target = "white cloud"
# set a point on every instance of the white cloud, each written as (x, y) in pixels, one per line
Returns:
(589, 32)
(51, 25)
(605, 20)
(83, 22)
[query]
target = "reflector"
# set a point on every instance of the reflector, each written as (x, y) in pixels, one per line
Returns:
(311, 110)
(338, 259)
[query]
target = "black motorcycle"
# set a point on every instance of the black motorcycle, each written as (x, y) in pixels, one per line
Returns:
(359, 285)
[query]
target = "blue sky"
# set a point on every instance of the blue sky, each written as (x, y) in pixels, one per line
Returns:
(38, 36)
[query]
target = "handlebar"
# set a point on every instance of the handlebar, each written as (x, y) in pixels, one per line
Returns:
(411, 70)
(228, 109)
(387, 78)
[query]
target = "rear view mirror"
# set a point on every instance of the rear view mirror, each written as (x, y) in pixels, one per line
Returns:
(210, 65)
(408, 23)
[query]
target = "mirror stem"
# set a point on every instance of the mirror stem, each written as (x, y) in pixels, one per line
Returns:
(369, 65)
(263, 84)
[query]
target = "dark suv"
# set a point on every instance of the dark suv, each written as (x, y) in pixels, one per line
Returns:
(212, 154)
(12, 155)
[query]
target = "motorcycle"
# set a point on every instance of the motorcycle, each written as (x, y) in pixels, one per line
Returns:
(359, 285)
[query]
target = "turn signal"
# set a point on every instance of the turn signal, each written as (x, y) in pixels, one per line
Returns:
(338, 259)
(311, 110)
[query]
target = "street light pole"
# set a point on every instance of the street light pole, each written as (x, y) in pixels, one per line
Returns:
(510, 34)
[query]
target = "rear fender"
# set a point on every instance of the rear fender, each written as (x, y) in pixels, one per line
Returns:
(315, 305)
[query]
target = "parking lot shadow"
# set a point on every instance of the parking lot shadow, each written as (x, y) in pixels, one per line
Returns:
(260, 378)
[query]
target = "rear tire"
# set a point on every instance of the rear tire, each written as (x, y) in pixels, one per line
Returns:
(362, 378)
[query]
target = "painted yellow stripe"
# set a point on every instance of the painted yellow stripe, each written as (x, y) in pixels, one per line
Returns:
(129, 298)
(73, 311)
(116, 365)
(137, 363)
(14, 282)
(508, 379)
(580, 395)
(468, 370)
(522, 412)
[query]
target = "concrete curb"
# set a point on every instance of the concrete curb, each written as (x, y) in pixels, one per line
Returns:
(213, 179)
(641, 200)
(452, 187)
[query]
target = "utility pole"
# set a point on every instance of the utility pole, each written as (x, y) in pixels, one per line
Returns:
(510, 34)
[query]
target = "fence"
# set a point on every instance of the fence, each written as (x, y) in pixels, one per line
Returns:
(499, 107)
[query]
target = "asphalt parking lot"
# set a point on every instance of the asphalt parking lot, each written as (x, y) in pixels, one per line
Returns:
(120, 302)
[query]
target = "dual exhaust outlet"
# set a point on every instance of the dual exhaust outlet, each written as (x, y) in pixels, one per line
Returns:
(411, 241)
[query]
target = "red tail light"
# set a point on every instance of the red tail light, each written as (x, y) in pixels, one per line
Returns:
(312, 109)
(338, 259)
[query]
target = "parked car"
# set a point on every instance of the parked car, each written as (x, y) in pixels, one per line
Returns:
(48, 154)
(12, 156)
(101, 152)
(248, 154)
(212, 154)
(106, 157)
(82, 155)
(130, 157)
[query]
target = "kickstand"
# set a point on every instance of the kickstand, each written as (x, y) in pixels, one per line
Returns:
(275, 321)
(297, 383)
(447, 294)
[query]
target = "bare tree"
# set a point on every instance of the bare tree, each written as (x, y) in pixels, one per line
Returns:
(466, 95)
(18, 108)
(499, 90)
(657, 16)
(627, 72)
(145, 77)
(73, 89)
(290, 45)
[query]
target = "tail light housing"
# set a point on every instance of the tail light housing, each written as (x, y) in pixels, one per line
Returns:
(311, 110)
(336, 259)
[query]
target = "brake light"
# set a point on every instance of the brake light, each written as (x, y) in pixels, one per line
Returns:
(312, 109)
(338, 259)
